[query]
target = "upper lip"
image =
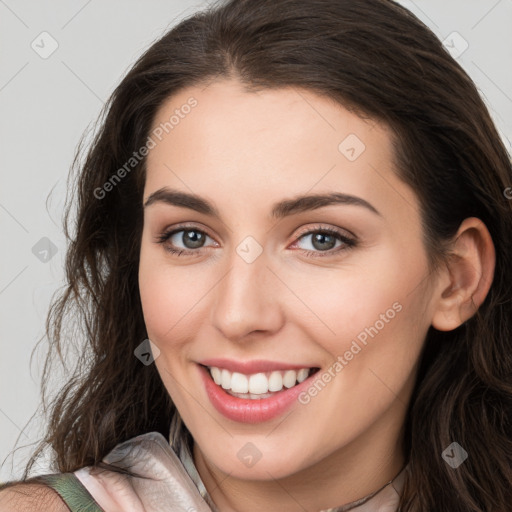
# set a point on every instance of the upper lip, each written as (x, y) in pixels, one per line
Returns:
(251, 367)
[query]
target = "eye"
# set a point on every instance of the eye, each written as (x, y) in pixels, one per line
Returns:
(190, 237)
(324, 239)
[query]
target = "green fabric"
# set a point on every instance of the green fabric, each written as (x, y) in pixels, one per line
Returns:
(72, 491)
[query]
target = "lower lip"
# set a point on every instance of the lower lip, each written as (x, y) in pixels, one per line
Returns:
(244, 410)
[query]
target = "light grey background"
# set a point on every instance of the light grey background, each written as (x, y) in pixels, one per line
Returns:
(47, 103)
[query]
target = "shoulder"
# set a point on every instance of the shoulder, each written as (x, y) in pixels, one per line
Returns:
(28, 497)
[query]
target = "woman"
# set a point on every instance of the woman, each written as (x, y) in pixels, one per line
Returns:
(301, 204)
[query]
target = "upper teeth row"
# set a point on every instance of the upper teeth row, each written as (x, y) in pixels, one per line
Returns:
(257, 383)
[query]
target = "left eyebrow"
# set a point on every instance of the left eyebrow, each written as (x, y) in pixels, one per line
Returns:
(312, 202)
(279, 210)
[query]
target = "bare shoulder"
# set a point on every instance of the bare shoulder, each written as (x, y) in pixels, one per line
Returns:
(30, 497)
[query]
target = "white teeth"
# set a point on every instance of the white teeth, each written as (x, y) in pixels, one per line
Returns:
(239, 383)
(275, 382)
(289, 378)
(258, 385)
(302, 374)
(216, 374)
(226, 379)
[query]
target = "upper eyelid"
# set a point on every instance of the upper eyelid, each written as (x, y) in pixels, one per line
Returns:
(334, 230)
(172, 231)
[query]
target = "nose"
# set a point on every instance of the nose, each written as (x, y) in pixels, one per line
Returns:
(247, 299)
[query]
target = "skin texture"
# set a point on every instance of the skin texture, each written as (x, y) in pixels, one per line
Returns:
(243, 152)
(29, 498)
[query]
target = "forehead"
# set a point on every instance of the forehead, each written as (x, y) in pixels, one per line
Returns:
(234, 145)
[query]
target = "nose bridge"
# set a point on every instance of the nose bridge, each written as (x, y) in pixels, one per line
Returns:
(247, 298)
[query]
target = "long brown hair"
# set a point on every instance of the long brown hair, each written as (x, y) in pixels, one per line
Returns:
(377, 59)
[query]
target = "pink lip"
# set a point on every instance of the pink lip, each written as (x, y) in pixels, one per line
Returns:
(250, 367)
(244, 410)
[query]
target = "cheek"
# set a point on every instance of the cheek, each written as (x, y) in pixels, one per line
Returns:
(168, 300)
(372, 312)
(373, 350)
(350, 298)
(168, 295)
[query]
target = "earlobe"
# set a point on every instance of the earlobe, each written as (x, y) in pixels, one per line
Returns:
(468, 276)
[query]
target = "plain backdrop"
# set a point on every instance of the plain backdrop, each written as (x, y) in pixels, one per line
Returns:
(60, 60)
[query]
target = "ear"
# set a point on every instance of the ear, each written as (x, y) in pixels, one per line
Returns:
(468, 276)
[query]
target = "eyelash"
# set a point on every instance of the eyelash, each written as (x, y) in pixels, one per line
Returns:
(349, 243)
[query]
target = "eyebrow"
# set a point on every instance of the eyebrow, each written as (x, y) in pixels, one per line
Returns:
(280, 210)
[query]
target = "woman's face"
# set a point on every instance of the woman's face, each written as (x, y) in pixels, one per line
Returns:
(261, 281)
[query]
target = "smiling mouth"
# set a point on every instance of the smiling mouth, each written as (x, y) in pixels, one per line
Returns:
(258, 385)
